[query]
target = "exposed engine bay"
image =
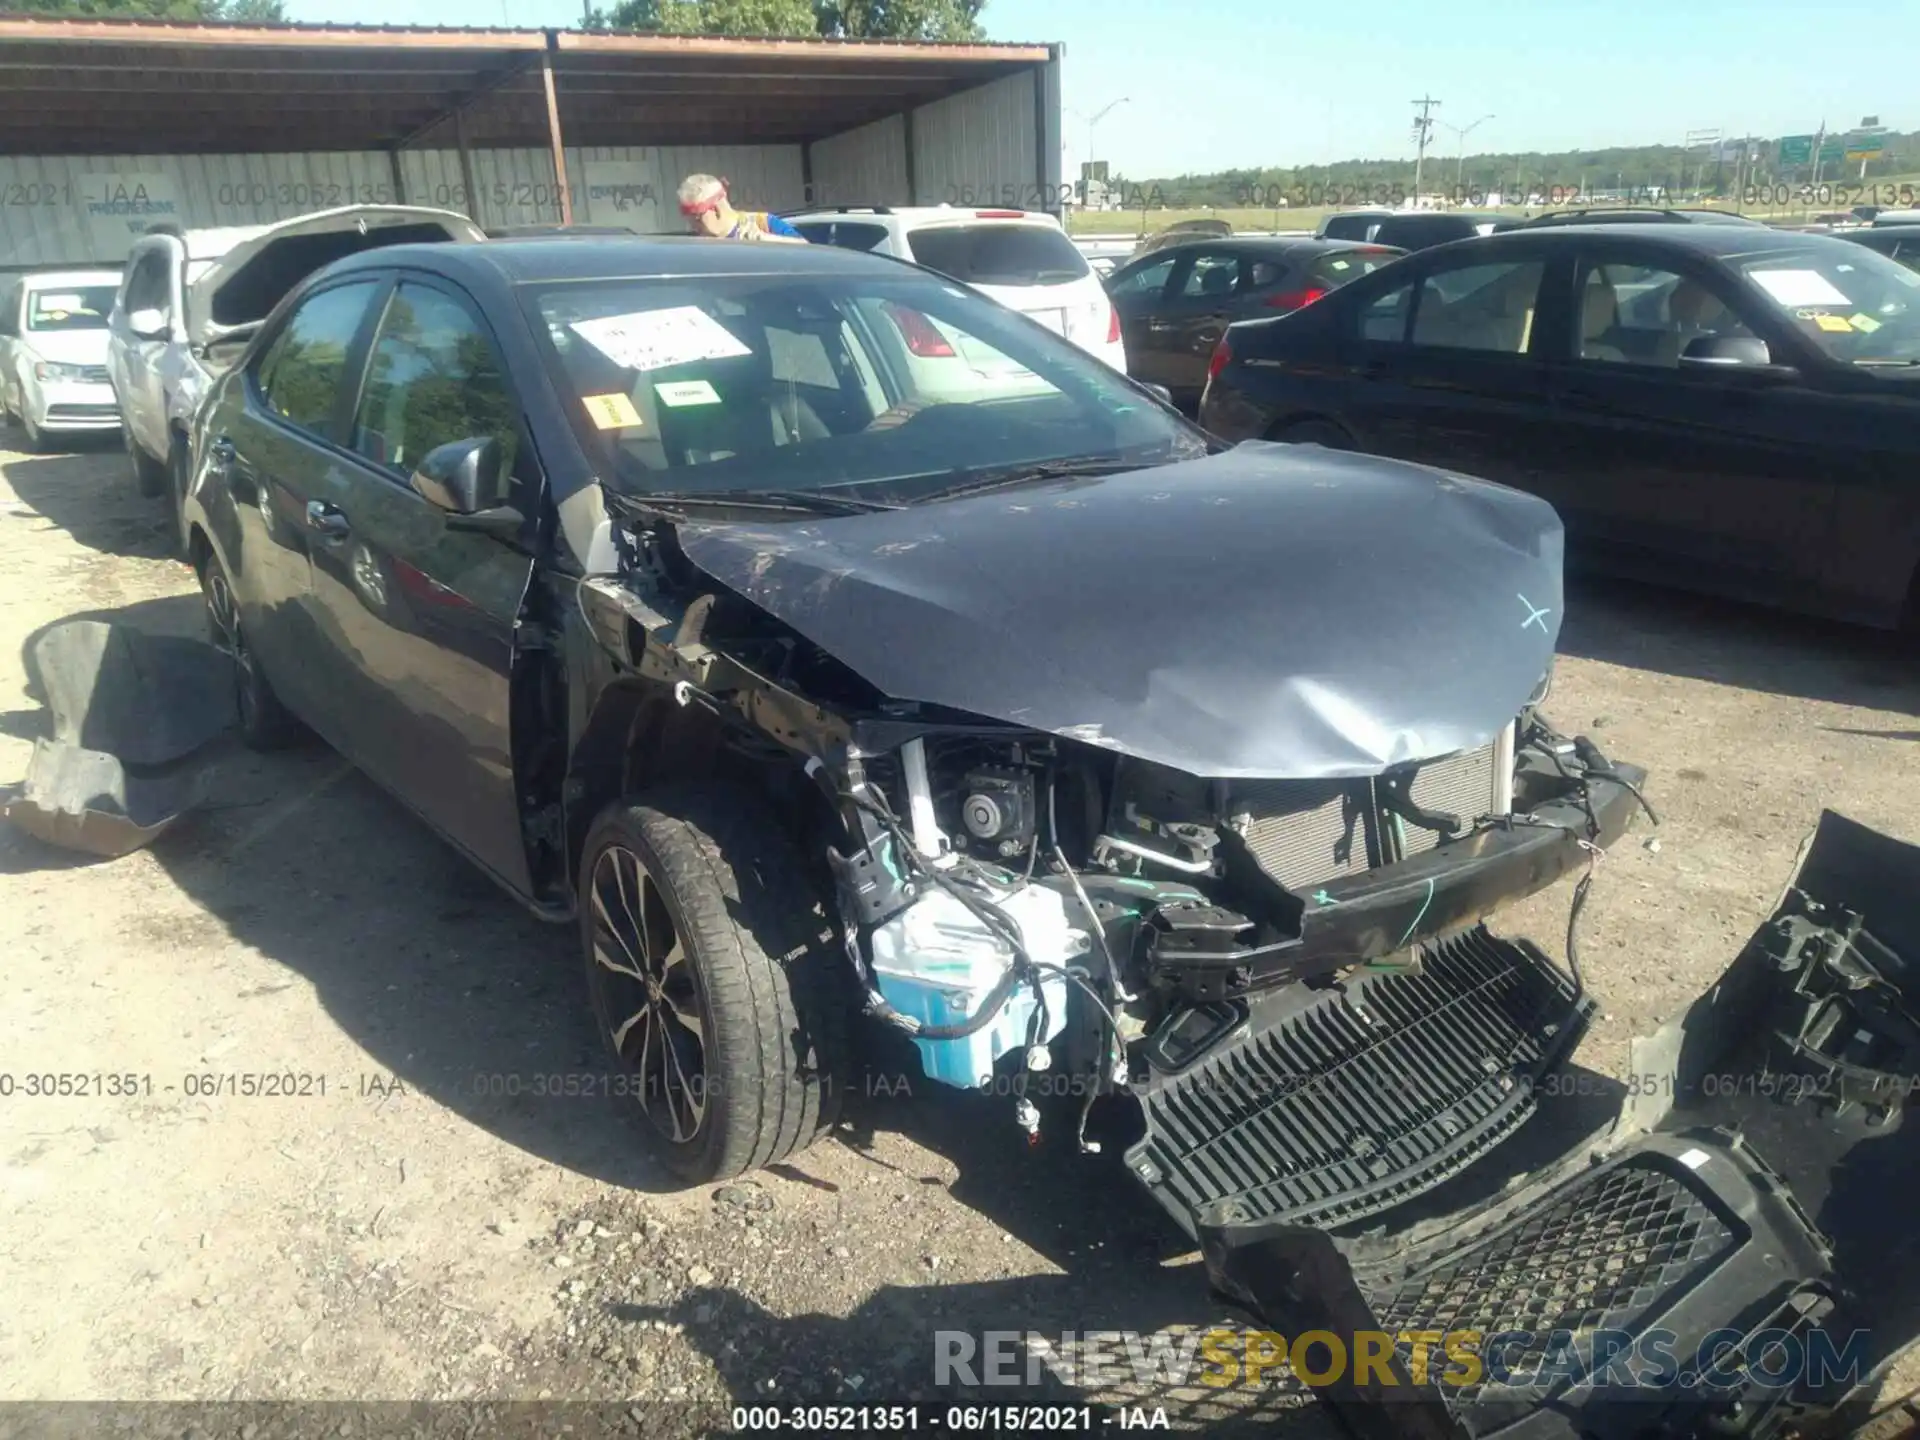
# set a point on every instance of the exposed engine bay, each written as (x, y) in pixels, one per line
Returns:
(1017, 900)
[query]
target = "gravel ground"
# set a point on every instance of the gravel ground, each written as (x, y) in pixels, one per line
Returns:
(398, 1229)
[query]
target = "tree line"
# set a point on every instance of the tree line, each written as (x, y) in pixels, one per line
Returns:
(1634, 169)
(951, 20)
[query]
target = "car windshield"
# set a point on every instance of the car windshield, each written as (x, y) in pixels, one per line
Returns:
(1859, 307)
(896, 383)
(80, 307)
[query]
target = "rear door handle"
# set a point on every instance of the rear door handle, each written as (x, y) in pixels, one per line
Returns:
(327, 520)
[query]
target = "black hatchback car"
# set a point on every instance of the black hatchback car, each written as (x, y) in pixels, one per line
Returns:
(1725, 407)
(1174, 304)
(1896, 242)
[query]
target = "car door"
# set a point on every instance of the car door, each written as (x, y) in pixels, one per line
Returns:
(1137, 291)
(135, 360)
(1443, 365)
(271, 444)
(1722, 469)
(1193, 314)
(424, 613)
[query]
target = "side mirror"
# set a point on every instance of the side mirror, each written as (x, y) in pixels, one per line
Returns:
(1159, 392)
(149, 324)
(460, 477)
(1723, 352)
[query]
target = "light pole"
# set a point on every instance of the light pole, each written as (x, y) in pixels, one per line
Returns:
(1093, 120)
(1460, 162)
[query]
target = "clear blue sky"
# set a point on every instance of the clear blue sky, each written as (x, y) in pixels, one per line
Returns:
(1249, 82)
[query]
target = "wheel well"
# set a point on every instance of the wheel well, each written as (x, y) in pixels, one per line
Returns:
(198, 548)
(639, 737)
(636, 735)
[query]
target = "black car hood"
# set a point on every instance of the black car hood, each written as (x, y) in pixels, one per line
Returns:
(1271, 611)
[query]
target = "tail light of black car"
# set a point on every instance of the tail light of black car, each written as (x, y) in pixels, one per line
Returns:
(1294, 299)
(1222, 355)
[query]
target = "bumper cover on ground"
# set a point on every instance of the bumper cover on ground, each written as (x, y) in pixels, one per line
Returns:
(1730, 1253)
(137, 721)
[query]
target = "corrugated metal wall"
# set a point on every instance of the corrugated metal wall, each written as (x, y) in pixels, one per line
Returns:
(43, 219)
(982, 147)
(867, 166)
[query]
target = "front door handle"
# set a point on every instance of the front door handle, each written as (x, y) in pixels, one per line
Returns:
(327, 520)
(221, 455)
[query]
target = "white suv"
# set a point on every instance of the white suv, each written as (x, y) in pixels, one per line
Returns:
(190, 299)
(1022, 258)
(53, 353)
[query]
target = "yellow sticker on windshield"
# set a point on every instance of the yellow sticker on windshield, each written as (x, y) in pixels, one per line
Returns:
(612, 412)
(1833, 323)
(1865, 324)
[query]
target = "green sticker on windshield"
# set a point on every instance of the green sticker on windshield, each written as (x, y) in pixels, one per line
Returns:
(676, 393)
(1865, 324)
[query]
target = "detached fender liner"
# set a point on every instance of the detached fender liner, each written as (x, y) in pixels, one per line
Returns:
(1735, 1256)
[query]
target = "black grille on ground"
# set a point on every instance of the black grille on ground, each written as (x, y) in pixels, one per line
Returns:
(1333, 1105)
(1302, 833)
(1599, 1257)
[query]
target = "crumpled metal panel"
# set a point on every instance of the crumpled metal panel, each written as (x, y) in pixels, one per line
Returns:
(1270, 611)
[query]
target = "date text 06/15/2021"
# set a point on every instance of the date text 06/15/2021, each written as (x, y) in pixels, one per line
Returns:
(935, 1418)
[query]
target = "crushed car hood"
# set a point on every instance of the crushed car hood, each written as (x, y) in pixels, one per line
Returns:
(1270, 611)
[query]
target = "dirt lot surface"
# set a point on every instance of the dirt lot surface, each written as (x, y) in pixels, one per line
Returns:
(401, 1228)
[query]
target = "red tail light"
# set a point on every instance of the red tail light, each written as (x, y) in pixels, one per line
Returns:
(1113, 326)
(1293, 299)
(999, 214)
(919, 333)
(1221, 355)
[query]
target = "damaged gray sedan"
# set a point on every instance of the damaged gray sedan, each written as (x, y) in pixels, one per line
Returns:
(826, 641)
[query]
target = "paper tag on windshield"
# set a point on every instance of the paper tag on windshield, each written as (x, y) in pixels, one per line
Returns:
(1798, 287)
(65, 304)
(655, 339)
(612, 412)
(1833, 324)
(687, 392)
(1865, 324)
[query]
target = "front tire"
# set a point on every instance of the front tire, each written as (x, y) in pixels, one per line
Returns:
(149, 474)
(713, 972)
(265, 723)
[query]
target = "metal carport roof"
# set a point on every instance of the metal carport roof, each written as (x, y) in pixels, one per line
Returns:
(93, 87)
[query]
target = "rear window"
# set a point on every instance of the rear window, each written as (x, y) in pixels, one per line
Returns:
(846, 234)
(1330, 272)
(1350, 227)
(989, 254)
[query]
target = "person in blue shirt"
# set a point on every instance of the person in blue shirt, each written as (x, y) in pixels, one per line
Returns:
(703, 203)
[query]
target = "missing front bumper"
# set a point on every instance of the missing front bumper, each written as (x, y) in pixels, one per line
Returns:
(1730, 1253)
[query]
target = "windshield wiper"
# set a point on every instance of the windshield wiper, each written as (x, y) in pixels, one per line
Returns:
(793, 502)
(1888, 364)
(1009, 475)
